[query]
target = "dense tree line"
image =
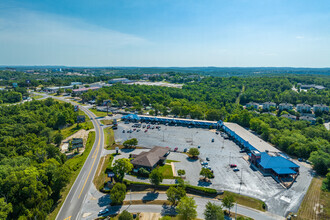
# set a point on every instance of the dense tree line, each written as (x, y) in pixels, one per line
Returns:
(13, 95)
(32, 173)
(213, 98)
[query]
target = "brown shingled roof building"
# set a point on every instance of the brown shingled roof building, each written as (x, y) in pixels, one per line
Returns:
(150, 159)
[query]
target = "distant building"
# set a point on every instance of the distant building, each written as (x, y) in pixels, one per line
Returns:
(309, 119)
(306, 87)
(76, 83)
(292, 117)
(119, 80)
(82, 90)
(56, 88)
(321, 108)
(253, 104)
(285, 106)
(268, 105)
(303, 108)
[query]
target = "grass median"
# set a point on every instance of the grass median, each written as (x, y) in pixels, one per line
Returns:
(75, 164)
(316, 203)
(98, 113)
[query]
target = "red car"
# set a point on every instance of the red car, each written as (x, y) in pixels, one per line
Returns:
(175, 149)
(232, 165)
(146, 130)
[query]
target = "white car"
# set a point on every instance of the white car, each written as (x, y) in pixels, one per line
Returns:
(103, 211)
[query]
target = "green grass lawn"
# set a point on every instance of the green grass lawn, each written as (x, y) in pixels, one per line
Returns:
(166, 170)
(109, 138)
(98, 113)
(37, 96)
(74, 164)
(245, 200)
(107, 122)
(170, 161)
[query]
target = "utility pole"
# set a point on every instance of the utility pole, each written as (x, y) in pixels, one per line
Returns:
(229, 158)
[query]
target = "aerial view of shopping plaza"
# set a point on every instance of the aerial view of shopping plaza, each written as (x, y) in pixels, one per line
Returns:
(240, 160)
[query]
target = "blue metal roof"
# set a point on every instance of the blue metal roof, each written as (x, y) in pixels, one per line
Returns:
(284, 170)
(269, 162)
(131, 116)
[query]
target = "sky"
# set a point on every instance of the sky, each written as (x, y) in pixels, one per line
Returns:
(165, 33)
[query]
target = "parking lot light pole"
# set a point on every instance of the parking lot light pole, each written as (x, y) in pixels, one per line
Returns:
(239, 192)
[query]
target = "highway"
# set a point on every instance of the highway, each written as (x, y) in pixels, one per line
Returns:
(75, 203)
(71, 208)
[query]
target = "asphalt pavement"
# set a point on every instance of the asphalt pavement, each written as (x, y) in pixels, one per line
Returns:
(71, 208)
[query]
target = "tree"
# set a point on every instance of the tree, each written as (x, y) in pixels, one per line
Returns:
(130, 142)
(58, 137)
(156, 177)
(326, 182)
(175, 194)
(187, 208)
(206, 173)
(228, 202)
(194, 152)
(213, 212)
(181, 172)
(5, 208)
(321, 161)
(118, 193)
(122, 166)
(125, 215)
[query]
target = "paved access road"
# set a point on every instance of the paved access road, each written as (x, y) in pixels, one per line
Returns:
(71, 208)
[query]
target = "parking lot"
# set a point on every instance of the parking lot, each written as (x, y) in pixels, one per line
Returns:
(221, 153)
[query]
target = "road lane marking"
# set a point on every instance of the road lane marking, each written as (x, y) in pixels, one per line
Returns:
(68, 218)
(98, 147)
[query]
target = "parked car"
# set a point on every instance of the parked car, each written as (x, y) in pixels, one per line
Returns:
(236, 169)
(103, 211)
(232, 165)
(123, 131)
(199, 146)
(212, 139)
(143, 126)
(175, 149)
(242, 151)
(204, 163)
(146, 130)
(185, 150)
(207, 159)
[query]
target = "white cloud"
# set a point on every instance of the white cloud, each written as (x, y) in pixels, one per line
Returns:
(300, 37)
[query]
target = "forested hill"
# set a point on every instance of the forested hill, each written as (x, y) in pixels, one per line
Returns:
(32, 173)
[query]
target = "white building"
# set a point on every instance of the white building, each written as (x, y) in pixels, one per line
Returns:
(321, 108)
(268, 105)
(309, 119)
(119, 80)
(303, 108)
(252, 104)
(285, 106)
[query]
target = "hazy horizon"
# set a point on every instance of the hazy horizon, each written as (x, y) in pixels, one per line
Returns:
(184, 33)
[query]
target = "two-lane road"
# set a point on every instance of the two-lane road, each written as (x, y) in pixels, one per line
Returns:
(71, 208)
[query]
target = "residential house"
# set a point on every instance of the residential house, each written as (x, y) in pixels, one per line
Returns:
(303, 108)
(309, 119)
(292, 117)
(321, 108)
(268, 105)
(252, 104)
(285, 106)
